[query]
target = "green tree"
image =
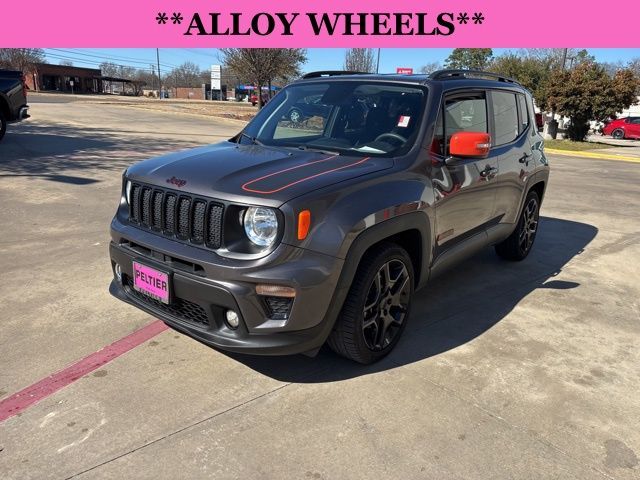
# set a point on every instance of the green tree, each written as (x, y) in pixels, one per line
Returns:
(587, 92)
(469, 58)
(532, 72)
(360, 60)
(261, 66)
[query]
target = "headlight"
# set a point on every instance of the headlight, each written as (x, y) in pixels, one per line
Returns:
(261, 225)
(127, 192)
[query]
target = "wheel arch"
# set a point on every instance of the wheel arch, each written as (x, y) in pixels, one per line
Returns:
(410, 231)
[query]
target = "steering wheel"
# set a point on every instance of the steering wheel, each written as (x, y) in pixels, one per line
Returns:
(395, 136)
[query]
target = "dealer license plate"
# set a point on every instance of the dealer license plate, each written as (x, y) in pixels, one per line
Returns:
(151, 282)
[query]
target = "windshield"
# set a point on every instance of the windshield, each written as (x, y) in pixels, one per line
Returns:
(347, 117)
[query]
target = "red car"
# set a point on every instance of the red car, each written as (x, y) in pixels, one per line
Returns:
(623, 128)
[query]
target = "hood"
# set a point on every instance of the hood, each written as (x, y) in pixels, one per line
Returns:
(252, 173)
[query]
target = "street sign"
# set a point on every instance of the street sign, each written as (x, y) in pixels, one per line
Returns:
(215, 77)
(404, 70)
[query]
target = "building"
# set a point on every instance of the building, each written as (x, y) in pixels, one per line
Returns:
(63, 78)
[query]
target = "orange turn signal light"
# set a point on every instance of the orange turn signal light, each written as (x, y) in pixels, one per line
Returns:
(304, 223)
(276, 291)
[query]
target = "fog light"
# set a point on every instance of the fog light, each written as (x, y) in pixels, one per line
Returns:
(118, 270)
(232, 319)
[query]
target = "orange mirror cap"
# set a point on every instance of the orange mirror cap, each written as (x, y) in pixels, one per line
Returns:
(304, 223)
(470, 144)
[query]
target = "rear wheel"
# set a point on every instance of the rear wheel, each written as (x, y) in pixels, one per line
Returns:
(3, 125)
(518, 245)
(618, 133)
(376, 309)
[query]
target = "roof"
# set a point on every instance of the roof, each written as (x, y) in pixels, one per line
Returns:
(466, 77)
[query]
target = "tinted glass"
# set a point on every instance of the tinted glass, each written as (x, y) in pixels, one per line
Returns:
(523, 113)
(352, 117)
(506, 117)
(465, 114)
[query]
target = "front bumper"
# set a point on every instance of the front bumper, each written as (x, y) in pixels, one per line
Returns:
(206, 285)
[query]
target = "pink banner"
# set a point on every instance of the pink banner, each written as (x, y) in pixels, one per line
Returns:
(285, 23)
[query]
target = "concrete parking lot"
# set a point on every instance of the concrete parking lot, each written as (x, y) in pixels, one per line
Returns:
(528, 370)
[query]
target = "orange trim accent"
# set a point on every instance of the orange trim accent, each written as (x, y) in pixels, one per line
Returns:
(304, 223)
(266, 192)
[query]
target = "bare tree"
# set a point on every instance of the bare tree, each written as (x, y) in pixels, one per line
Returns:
(66, 63)
(261, 66)
(359, 60)
(186, 75)
(22, 59)
(431, 67)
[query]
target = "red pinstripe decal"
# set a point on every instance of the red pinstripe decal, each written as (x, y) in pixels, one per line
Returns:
(266, 192)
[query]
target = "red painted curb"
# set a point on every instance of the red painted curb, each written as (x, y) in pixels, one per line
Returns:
(23, 399)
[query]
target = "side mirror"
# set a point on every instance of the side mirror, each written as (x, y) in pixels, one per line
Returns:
(470, 145)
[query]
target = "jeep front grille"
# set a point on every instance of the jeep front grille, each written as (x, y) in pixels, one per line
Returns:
(176, 215)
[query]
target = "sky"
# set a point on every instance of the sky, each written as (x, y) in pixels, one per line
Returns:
(318, 58)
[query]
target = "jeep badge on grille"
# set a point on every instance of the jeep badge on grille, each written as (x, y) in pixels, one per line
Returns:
(178, 182)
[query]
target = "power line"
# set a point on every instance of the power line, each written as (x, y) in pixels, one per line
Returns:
(92, 62)
(107, 57)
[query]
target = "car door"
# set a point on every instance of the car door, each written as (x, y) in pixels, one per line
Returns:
(510, 125)
(633, 129)
(463, 188)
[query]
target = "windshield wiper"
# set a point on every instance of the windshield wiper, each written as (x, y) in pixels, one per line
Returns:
(254, 140)
(317, 149)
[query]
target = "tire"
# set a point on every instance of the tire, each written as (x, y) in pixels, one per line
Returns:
(381, 296)
(295, 115)
(618, 134)
(3, 125)
(517, 246)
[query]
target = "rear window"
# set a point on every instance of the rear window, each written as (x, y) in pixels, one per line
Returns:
(505, 112)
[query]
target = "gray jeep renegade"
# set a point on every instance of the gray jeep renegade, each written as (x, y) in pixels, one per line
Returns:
(298, 232)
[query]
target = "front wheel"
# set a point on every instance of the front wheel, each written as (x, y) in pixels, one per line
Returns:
(518, 245)
(618, 134)
(376, 309)
(3, 125)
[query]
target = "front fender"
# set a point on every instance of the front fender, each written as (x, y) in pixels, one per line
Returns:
(347, 221)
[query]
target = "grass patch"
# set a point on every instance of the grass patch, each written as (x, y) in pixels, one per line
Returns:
(574, 146)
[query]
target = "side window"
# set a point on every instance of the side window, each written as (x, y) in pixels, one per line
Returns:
(636, 120)
(505, 114)
(523, 114)
(464, 113)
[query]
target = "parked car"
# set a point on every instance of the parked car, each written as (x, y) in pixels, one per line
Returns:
(281, 239)
(306, 108)
(623, 128)
(254, 99)
(13, 99)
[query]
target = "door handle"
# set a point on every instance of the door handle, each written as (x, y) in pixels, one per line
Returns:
(525, 159)
(488, 172)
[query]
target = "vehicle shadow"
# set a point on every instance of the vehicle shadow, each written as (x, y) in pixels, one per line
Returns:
(452, 309)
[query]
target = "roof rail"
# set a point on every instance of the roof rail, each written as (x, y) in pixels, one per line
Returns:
(331, 73)
(456, 74)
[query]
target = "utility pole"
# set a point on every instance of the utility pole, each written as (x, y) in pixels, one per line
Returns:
(378, 62)
(159, 77)
(564, 58)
